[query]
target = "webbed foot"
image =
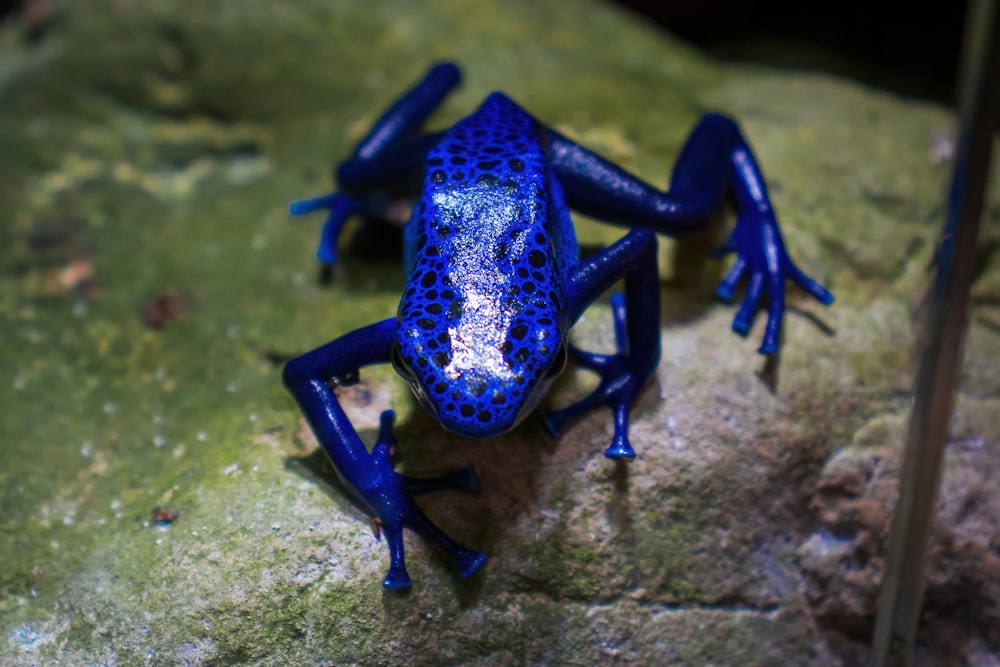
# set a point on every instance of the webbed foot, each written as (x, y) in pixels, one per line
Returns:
(761, 255)
(622, 378)
(341, 207)
(390, 498)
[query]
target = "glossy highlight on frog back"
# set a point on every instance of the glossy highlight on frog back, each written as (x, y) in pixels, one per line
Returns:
(480, 321)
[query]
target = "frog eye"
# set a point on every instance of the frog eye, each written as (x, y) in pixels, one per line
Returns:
(396, 357)
(559, 364)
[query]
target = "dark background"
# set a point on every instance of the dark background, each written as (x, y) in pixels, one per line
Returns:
(907, 47)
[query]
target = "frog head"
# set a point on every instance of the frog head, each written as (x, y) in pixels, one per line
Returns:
(479, 362)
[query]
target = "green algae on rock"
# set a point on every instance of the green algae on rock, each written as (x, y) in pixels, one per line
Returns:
(151, 147)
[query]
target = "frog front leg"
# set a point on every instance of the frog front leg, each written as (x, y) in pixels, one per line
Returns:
(370, 477)
(392, 148)
(716, 160)
(637, 331)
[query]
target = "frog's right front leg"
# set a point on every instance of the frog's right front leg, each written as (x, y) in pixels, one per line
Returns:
(637, 331)
(370, 477)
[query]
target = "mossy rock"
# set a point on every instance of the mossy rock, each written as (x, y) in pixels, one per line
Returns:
(149, 150)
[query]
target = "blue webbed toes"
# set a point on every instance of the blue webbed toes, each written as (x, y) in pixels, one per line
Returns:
(341, 207)
(761, 255)
(622, 378)
(391, 499)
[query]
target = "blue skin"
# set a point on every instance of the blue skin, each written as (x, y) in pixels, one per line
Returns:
(495, 282)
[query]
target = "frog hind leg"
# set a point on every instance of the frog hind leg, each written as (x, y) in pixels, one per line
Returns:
(716, 160)
(391, 149)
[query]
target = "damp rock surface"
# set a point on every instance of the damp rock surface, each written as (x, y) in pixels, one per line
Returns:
(149, 150)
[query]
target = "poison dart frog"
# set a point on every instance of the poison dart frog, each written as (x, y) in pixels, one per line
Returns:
(495, 282)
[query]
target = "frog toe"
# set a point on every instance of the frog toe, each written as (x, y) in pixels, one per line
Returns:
(620, 448)
(553, 422)
(465, 480)
(397, 578)
(341, 207)
(470, 562)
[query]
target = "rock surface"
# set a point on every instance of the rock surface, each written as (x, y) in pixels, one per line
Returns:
(151, 284)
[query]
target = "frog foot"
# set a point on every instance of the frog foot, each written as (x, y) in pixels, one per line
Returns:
(622, 378)
(761, 257)
(390, 498)
(341, 207)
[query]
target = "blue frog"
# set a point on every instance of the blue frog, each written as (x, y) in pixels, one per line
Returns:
(495, 282)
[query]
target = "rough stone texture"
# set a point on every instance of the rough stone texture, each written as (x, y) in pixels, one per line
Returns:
(147, 151)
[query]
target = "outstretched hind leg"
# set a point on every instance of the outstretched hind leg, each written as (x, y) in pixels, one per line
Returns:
(716, 160)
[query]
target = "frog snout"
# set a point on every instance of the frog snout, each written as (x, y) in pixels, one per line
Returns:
(477, 417)
(480, 425)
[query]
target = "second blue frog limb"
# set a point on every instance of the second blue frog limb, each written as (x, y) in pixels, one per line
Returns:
(495, 280)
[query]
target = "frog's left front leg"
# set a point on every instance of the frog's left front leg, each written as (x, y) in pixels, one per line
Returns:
(637, 331)
(370, 477)
(392, 148)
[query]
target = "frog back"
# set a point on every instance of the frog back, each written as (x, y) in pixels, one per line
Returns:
(484, 308)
